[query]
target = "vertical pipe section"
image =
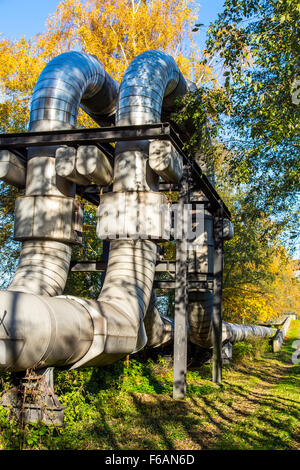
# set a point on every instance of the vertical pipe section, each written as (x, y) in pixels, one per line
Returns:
(181, 298)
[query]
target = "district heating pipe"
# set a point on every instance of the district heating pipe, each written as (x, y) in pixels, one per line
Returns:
(38, 330)
(40, 327)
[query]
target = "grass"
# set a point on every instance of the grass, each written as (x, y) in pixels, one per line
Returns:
(256, 406)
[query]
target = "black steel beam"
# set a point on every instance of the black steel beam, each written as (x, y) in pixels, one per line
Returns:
(105, 135)
(194, 279)
(98, 135)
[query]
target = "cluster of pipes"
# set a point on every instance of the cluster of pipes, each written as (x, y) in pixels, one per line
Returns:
(40, 327)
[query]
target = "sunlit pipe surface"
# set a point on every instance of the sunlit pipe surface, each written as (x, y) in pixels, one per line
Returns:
(152, 78)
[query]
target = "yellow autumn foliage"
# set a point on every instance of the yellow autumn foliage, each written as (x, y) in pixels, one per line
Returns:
(264, 301)
(285, 289)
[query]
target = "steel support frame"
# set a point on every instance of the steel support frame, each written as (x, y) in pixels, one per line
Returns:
(103, 137)
(193, 179)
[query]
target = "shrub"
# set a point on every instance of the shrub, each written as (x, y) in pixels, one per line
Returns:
(252, 348)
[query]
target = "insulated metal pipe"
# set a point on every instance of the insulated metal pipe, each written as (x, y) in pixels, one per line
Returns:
(38, 331)
(201, 328)
(234, 332)
(68, 81)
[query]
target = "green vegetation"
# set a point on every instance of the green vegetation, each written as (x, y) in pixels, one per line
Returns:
(117, 407)
(253, 348)
(257, 43)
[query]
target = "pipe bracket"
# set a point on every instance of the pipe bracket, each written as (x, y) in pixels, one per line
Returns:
(134, 215)
(48, 217)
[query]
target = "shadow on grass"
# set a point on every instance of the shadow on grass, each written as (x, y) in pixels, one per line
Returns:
(118, 407)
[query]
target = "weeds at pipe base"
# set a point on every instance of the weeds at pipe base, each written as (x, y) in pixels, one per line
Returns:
(30, 401)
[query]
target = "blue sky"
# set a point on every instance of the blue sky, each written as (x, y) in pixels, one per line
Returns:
(24, 17)
(28, 17)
